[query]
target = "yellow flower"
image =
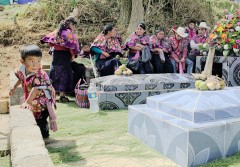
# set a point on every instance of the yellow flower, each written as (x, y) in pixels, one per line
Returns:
(220, 29)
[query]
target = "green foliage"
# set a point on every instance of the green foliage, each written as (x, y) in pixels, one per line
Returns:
(232, 161)
(93, 15)
(90, 12)
(167, 13)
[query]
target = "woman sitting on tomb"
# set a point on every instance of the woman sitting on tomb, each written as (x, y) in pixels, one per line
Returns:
(137, 44)
(160, 53)
(105, 48)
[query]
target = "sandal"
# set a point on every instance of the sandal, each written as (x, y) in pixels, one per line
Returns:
(63, 99)
(46, 141)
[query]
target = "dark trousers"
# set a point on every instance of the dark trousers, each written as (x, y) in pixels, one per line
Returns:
(43, 124)
(160, 67)
(193, 58)
(79, 71)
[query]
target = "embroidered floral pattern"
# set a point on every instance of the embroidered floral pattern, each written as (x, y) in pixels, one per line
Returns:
(178, 46)
(133, 39)
(154, 42)
(41, 81)
(107, 45)
(68, 39)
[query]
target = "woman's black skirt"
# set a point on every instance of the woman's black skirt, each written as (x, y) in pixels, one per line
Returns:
(107, 66)
(160, 67)
(61, 71)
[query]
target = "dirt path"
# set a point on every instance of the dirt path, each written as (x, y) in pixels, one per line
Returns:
(9, 61)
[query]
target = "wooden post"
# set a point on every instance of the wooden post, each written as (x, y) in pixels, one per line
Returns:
(209, 62)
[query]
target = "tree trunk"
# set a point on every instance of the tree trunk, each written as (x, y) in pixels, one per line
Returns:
(125, 12)
(174, 8)
(137, 15)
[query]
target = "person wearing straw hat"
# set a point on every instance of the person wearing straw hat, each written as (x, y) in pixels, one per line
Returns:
(179, 48)
(197, 40)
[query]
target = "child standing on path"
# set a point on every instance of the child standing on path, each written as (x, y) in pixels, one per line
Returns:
(38, 90)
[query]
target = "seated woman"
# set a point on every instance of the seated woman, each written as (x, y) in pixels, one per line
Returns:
(105, 48)
(136, 43)
(160, 53)
(179, 49)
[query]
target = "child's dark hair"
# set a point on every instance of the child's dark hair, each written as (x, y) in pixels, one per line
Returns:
(30, 50)
(107, 28)
(159, 29)
(65, 24)
(191, 21)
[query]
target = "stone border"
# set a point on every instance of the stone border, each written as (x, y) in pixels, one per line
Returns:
(27, 146)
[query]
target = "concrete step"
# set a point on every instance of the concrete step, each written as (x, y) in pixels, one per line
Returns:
(16, 99)
(4, 134)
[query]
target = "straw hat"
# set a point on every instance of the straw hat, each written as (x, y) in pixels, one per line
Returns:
(204, 25)
(181, 31)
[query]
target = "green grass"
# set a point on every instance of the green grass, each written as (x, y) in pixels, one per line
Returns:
(233, 161)
(5, 161)
(83, 135)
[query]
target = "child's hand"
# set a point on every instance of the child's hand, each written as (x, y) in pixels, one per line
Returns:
(25, 105)
(12, 91)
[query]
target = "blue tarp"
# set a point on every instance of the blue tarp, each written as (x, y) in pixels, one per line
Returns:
(24, 1)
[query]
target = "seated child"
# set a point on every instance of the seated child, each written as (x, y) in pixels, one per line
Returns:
(38, 90)
(85, 51)
(190, 29)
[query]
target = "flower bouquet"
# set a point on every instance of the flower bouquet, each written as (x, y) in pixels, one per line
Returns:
(225, 36)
